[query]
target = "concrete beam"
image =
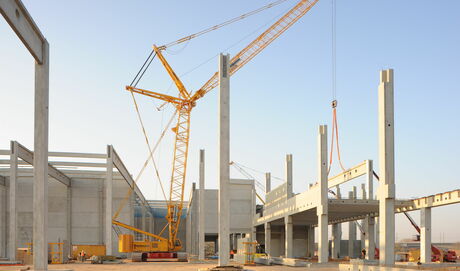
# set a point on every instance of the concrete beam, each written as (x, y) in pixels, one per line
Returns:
(201, 212)
(224, 159)
(322, 202)
(387, 168)
(425, 235)
(25, 28)
(348, 175)
(28, 156)
(118, 163)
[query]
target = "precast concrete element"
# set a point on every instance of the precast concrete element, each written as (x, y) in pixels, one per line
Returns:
(224, 159)
(25, 28)
(351, 229)
(288, 175)
(268, 237)
(322, 202)
(425, 235)
(12, 242)
(289, 237)
(370, 221)
(40, 195)
(363, 221)
(268, 182)
(336, 238)
(387, 167)
(310, 241)
(336, 232)
(370, 238)
(108, 202)
(201, 218)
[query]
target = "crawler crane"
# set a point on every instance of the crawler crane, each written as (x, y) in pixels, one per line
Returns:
(184, 103)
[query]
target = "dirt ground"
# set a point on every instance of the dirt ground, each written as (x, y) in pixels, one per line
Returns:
(154, 266)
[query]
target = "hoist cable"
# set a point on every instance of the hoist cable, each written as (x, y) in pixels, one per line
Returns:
(335, 126)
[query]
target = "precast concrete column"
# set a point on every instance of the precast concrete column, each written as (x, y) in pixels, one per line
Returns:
(370, 238)
(363, 221)
(425, 235)
(3, 221)
(144, 218)
(310, 241)
(336, 238)
(336, 232)
(322, 202)
(268, 182)
(387, 168)
(40, 184)
(351, 229)
(108, 202)
(224, 159)
(12, 235)
(289, 237)
(268, 237)
(69, 220)
(370, 221)
(201, 215)
(188, 233)
(289, 175)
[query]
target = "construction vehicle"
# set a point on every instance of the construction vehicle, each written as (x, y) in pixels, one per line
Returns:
(437, 254)
(163, 247)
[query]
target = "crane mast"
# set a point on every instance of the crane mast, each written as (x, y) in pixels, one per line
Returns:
(185, 103)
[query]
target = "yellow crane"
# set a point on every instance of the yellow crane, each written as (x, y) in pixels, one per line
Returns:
(186, 101)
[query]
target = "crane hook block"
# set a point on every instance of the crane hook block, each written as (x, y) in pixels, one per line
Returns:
(334, 103)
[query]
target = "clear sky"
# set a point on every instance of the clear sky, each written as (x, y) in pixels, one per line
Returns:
(277, 100)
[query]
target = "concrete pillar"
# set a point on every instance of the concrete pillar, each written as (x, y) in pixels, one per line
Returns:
(268, 182)
(363, 221)
(336, 232)
(370, 179)
(101, 212)
(310, 241)
(201, 212)
(387, 168)
(289, 238)
(322, 204)
(108, 202)
(370, 238)
(288, 175)
(12, 235)
(377, 232)
(188, 233)
(224, 159)
(3, 220)
(144, 218)
(69, 221)
(425, 235)
(268, 238)
(40, 183)
(351, 229)
(370, 221)
(336, 238)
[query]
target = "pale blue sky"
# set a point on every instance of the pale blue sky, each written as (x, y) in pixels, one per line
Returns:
(277, 100)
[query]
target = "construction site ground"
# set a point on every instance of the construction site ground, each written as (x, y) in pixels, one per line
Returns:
(177, 266)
